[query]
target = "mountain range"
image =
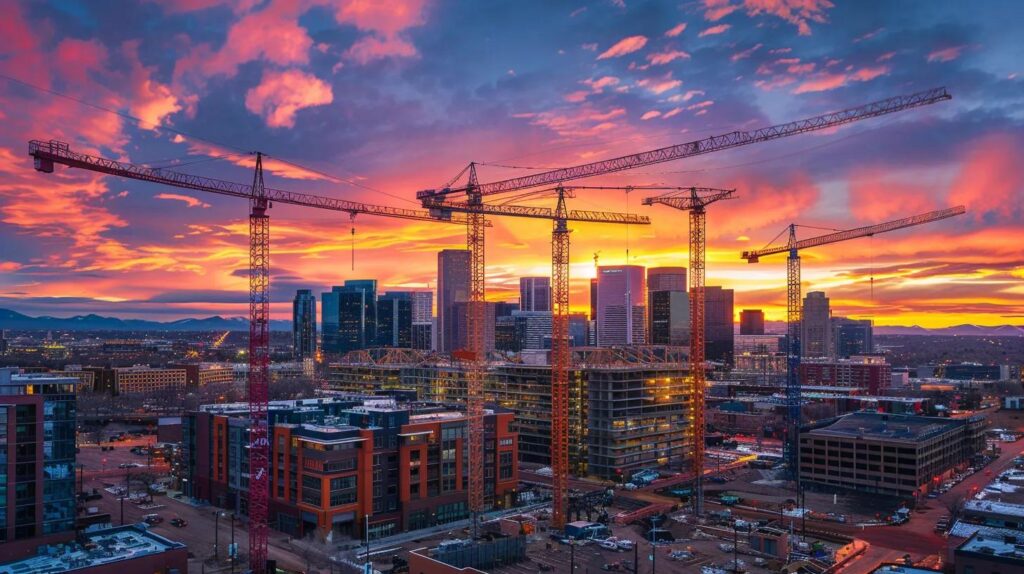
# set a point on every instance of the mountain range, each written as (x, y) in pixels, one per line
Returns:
(779, 327)
(19, 322)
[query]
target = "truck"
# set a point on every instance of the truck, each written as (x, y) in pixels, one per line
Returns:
(729, 499)
(582, 530)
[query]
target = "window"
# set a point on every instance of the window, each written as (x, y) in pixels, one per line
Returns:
(505, 466)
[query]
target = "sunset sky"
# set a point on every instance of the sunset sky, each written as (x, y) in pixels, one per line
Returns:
(373, 100)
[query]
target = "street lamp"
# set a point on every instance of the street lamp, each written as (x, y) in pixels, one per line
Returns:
(216, 535)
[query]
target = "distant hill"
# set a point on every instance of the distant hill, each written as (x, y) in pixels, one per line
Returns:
(17, 322)
(779, 327)
(956, 330)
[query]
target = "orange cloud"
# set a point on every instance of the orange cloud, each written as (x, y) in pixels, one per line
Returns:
(991, 178)
(676, 30)
(281, 94)
(800, 13)
(660, 58)
(825, 81)
(624, 46)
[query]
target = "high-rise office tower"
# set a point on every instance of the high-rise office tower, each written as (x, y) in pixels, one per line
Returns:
(422, 306)
(621, 308)
(330, 328)
(304, 324)
(452, 287)
(668, 307)
(816, 328)
(357, 314)
(719, 336)
(751, 322)
(852, 337)
(37, 461)
(668, 314)
(394, 319)
(535, 294)
(666, 279)
(460, 325)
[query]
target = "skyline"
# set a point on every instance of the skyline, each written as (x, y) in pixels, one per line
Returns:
(386, 98)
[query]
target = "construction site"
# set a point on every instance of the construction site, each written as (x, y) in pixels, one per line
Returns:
(604, 414)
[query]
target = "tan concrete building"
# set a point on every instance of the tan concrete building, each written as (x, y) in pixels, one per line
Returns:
(890, 454)
(143, 379)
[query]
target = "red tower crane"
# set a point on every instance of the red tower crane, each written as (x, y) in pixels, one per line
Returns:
(794, 313)
(261, 198)
(474, 191)
(560, 357)
(695, 200)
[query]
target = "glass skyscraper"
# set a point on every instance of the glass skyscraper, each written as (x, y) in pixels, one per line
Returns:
(304, 324)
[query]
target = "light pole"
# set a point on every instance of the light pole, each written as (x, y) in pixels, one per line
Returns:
(216, 536)
(234, 549)
(654, 549)
(366, 532)
(572, 556)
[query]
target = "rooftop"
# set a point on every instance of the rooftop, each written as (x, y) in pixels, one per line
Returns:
(886, 426)
(901, 569)
(111, 545)
(994, 507)
(1007, 546)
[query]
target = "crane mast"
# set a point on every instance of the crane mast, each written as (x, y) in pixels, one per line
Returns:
(794, 311)
(695, 202)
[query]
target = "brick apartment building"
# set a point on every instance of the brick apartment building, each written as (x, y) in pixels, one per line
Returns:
(336, 461)
(865, 372)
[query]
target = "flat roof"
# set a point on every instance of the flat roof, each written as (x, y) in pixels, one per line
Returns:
(112, 545)
(995, 507)
(886, 426)
(901, 569)
(1006, 546)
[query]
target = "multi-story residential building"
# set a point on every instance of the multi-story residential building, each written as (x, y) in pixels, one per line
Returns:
(815, 326)
(871, 373)
(621, 305)
(535, 294)
(751, 322)
(304, 324)
(459, 321)
(37, 461)
(852, 337)
(452, 287)
(119, 550)
(144, 379)
(338, 464)
(202, 374)
(394, 320)
(901, 455)
(719, 334)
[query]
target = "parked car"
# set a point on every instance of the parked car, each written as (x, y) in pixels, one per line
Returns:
(152, 519)
(625, 544)
(680, 555)
(179, 522)
(608, 545)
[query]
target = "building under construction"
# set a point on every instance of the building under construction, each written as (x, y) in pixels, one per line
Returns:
(629, 409)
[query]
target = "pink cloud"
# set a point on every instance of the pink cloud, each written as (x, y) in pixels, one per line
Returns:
(576, 97)
(650, 115)
(661, 84)
(384, 21)
(885, 57)
(676, 30)
(745, 53)
(715, 10)
(797, 12)
(991, 178)
(825, 81)
(75, 59)
(281, 94)
(670, 113)
(602, 83)
(945, 54)
(186, 199)
(661, 58)
(719, 29)
(624, 46)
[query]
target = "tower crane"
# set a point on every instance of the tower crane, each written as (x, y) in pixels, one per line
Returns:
(794, 313)
(474, 192)
(560, 356)
(47, 154)
(695, 200)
